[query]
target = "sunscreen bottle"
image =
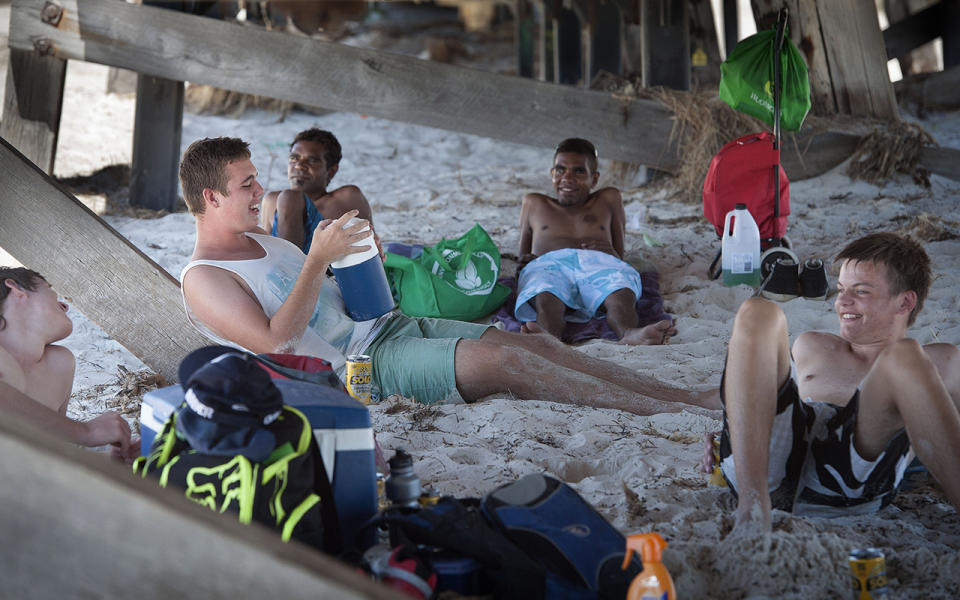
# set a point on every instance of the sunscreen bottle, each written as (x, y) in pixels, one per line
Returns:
(654, 582)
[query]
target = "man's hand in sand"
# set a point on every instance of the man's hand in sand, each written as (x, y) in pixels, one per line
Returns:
(109, 429)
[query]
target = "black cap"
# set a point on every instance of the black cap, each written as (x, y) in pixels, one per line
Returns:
(229, 386)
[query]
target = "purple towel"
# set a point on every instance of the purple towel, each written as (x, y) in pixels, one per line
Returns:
(649, 310)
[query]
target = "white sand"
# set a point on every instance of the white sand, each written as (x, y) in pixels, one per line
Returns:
(640, 472)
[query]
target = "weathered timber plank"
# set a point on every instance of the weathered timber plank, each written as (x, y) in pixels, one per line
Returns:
(804, 155)
(32, 103)
(176, 46)
(857, 59)
(931, 91)
(79, 526)
(807, 37)
(101, 273)
(156, 143)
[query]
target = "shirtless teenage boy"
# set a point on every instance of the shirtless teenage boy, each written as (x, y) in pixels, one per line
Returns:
(575, 244)
(36, 375)
(293, 214)
(832, 431)
(247, 289)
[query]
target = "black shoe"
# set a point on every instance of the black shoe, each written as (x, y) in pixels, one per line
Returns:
(813, 280)
(783, 282)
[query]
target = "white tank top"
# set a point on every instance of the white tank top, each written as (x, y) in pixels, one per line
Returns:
(330, 334)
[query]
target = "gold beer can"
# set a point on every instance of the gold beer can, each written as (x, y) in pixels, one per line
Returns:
(360, 377)
(868, 572)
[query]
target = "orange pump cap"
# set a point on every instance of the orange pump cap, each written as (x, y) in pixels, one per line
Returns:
(650, 546)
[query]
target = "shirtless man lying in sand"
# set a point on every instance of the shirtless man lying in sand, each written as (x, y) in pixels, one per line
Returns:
(574, 245)
(293, 214)
(36, 375)
(851, 409)
(244, 288)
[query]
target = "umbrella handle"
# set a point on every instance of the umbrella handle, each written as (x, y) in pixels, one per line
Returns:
(777, 68)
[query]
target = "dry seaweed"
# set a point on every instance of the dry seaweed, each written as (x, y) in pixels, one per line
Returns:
(891, 149)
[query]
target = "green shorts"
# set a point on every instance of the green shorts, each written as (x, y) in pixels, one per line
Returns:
(413, 357)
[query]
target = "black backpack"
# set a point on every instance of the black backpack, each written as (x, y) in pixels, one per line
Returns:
(288, 491)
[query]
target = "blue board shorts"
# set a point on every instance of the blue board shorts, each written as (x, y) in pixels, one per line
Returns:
(582, 279)
(414, 357)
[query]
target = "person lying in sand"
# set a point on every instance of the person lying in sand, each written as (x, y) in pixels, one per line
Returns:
(293, 214)
(36, 375)
(571, 247)
(851, 409)
(247, 289)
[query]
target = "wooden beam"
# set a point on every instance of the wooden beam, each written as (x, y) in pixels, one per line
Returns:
(524, 37)
(567, 40)
(32, 101)
(902, 37)
(950, 34)
(158, 122)
(176, 46)
(77, 525)
(546, 18)
(806, 35)
(857, 59)
(98, 270)
(666, 43)
(804, 155)
(704, 47)
(930, 91)
(605, 33)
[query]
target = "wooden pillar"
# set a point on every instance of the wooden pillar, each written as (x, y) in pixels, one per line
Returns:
(546, 20)
(666, 44)
(857, 59)
(525, 33)
(950, 33)
(32, 103)
(569, 49)
(156, 143)
(606, 26)
(704, 47)
(731, 26)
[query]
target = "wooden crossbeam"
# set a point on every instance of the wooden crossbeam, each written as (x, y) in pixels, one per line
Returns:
(98, 270)
(914, 31)
(79, 526)
(176, 46)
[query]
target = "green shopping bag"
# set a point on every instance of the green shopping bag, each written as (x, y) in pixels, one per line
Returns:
(746, 80)
(456, 279)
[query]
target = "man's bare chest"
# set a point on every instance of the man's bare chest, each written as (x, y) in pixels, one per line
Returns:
(833, 381)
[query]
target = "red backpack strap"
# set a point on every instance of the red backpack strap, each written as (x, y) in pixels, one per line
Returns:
(301, 368)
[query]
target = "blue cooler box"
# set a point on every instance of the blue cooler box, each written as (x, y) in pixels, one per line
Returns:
(341, 426)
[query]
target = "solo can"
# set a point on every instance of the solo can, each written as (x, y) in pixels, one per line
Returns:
(868, 572)
(360, 377)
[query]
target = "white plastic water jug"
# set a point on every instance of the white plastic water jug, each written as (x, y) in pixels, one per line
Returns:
(363, 281)
(740, 250)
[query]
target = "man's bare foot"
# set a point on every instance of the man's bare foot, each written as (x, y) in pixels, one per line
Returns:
(657, 334)
(531, 327)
